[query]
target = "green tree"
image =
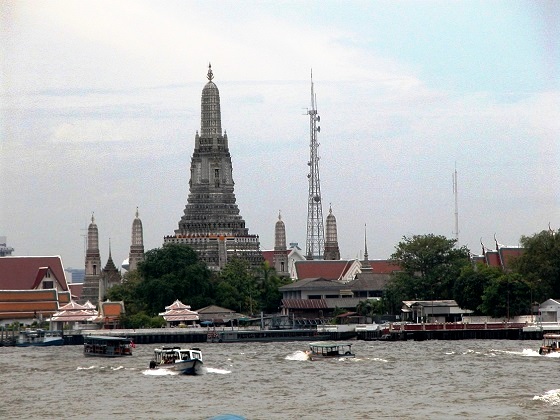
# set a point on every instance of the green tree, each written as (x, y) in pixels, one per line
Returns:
(506, 296)
(469, 287)
(540, 264)
(430, 265)
(237, 287)
(369, 307)
(169, 273)
(270, 296)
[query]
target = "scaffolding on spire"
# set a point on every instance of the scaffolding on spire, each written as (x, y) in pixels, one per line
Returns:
(315, 230)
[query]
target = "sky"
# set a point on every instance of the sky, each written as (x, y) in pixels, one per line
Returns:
(100, 103)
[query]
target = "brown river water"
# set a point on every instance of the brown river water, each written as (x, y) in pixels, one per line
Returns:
(471, 379)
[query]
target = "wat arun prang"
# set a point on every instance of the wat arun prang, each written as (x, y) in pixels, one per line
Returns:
(211, 223)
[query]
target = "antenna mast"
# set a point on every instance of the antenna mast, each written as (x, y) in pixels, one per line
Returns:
(315, 231)
(455, 192)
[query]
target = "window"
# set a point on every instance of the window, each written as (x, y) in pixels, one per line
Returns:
(48, 285)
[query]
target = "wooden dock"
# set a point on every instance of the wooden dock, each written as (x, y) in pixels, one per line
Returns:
(454, 331)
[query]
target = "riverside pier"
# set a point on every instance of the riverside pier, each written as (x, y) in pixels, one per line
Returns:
(458, 331)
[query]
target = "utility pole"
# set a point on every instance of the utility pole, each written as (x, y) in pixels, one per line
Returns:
(315, 230)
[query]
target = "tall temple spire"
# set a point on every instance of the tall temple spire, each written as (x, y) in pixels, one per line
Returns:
(366, 265)
(332, 251)
(136, 253)
(210, 116)
(109, 277)
(365, 243)
(93, 267)
(211, 223)
(280, 234)
(280, 256)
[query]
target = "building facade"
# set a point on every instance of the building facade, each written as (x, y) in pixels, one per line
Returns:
(211, 223)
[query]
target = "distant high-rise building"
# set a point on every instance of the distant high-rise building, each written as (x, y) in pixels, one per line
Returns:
(211, 223)
(331, 243)
(5, 250)
(280, 250)
(137, 244)
(92, 278)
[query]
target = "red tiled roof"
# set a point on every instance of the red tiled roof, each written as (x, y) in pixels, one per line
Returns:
(330, 270)
(268, 256)
(21, 273)
(493, 259)
(76, 289)
(111, 309)
(507, 255)
(383, 266)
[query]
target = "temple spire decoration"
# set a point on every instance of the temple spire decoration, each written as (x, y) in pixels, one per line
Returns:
(211, 223)
(332, 251)
(280, 257)
(136, 253)
(93, 267)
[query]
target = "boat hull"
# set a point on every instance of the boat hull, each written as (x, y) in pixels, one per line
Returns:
(183, 367)
(46, 343)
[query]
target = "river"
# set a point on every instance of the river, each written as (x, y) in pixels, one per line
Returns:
(474, 379)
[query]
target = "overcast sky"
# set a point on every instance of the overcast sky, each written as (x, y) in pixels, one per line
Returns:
(100, 103)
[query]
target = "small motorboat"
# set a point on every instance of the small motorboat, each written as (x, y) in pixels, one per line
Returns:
(329, 350)
(550, 344)
(39, 337)
(176, 359)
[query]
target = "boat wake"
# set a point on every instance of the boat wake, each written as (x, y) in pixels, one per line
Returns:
(159, 372)
(297, 355)
(101, 367)
(524, 352)
(215, 370)
(551, 397)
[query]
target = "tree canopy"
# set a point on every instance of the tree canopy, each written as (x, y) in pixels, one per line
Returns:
(166, 274)
(540, 264)
(430, 265)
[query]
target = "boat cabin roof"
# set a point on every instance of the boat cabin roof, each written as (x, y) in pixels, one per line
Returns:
(101, 339)
(175, 349)
(329, 344)
(552, 336)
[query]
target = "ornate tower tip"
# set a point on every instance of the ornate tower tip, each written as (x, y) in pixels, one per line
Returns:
(92, 218)
(210, 75)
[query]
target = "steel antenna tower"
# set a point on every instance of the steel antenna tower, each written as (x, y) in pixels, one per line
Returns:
(315, 231)
(456, 193)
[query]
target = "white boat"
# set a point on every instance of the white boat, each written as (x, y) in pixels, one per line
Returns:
(184, 361)
(319, 350)
(39, 337)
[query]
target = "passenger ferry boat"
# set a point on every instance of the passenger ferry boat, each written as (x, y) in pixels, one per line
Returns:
(39, 337)
(329, 350)
(107, 346)
(176, 359)
(550, 344)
